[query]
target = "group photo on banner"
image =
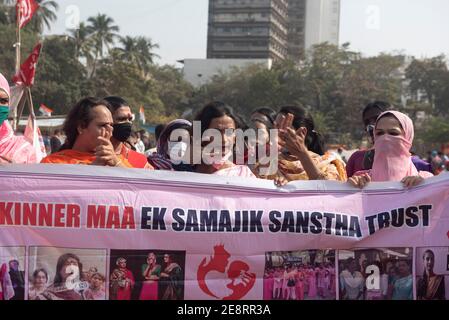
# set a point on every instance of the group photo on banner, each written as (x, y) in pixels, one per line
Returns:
(315, 173)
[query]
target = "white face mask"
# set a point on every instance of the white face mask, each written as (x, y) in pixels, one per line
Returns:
(177, 151)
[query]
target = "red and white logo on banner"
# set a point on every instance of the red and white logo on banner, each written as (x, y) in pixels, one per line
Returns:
(237, 274)
(27, 9)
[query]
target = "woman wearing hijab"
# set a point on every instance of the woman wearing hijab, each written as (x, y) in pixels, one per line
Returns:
(394, 134)
(13, 149)
(169, 152)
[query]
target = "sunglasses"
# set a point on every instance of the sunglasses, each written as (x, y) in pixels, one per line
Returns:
(370, 129)
(4, 100)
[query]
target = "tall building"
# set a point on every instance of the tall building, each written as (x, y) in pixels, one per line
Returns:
(270, 29)
(296, 28)
(247, 29)
(322, 22)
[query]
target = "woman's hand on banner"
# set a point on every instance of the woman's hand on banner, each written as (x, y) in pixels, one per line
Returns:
(360, 181)
(280, 181)
(410, 182)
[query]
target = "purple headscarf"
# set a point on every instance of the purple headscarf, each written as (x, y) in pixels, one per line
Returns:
(161, 159)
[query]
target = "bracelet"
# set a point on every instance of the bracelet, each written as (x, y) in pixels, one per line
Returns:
(118, 163)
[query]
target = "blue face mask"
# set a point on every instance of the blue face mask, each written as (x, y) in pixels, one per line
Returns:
(4, 112)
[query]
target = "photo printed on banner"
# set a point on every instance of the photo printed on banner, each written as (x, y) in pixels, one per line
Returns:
(12, 273)
(376, 274)
(147, 275)
(432, 273)
(66, 274)
(300, 275)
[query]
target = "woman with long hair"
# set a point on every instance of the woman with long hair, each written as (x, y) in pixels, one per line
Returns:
(219, 118)
(68, 271)
(172, 278)
(431, 286)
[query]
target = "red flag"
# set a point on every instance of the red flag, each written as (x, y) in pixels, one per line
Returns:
(28, 68)
(27, 9)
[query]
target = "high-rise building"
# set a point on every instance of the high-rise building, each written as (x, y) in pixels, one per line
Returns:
(270, 29)
(322, 22)
(247, 29)
(296, 28)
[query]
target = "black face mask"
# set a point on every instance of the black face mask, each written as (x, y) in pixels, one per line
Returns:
(122, 131)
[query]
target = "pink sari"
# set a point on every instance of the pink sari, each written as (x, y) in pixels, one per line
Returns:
(15, 149)
(236, 171)
(299, 286)
(312, 285)
(268, 285)
(6, 288)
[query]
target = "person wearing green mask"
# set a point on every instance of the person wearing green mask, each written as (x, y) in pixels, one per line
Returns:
(13, 149)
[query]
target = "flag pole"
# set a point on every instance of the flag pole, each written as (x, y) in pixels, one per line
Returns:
(18, 56)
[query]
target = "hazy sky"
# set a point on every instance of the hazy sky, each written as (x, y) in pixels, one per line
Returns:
(416, 27)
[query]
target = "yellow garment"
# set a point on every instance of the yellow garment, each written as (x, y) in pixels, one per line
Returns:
(331, 168)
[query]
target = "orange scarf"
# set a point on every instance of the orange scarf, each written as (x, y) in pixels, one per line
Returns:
(76, 157)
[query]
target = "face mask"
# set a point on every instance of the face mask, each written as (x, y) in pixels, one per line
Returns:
(177, 152)
(393, 146)
(122, 131)
(4, 112)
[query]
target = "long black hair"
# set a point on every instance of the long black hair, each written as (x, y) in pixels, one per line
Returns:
(268, 117)
(302, 118)
(80, 116)
(422, 286)
(380, 106)
(217, 109)
(60, 264)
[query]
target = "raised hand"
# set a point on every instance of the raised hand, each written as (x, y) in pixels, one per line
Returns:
(104, 152)
(295, 141)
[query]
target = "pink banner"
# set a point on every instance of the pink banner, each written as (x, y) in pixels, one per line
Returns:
(80, 232)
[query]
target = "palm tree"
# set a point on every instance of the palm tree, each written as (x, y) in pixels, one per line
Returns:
(146, 47)
(44, 16)
(103, 33)
(82, 38)
(7, 11)
(139, 51)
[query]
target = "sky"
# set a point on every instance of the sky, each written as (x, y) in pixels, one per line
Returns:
(414, 27)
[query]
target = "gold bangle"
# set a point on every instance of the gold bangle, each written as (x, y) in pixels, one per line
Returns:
(118, 163)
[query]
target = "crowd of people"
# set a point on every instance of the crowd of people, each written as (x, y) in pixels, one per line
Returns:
(93, 281)
(287, 146)
(300, 282)
(396, 281)
(157, 281)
